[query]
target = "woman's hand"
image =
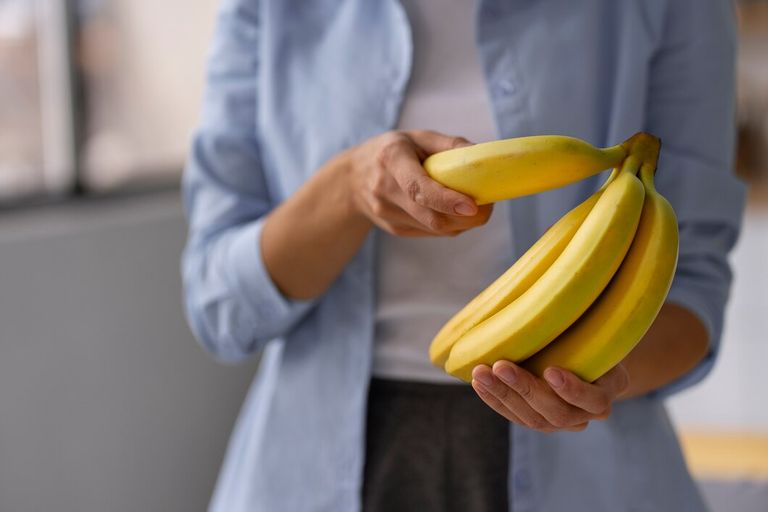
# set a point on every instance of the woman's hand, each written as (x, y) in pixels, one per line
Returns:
(560, 401)
(390, 187)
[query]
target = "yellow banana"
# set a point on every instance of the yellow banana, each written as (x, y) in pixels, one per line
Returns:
(566, 289)
(505, 169)
(517, 279)
(620, 317)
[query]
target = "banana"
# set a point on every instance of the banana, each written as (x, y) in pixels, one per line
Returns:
(623, 313)
(566, 289)
(517, 279)
(505, 169)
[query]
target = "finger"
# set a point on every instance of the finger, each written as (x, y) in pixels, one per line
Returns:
(401, 156)
(440, 223)
(615, 382)
(482, 216)
(393, 219)
(426, 192)
(432, 142)
(511, 400)
(591, 397)
(382, 198)
(494, 403)
(402, 231)
(397, 221)
(539, 395)
(413, 180)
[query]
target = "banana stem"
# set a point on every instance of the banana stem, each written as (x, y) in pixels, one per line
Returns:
(643, 149)
(631, 164)
(646, 176)
(617, 153)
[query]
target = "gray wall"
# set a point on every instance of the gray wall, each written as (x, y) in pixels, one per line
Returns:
(106, 401)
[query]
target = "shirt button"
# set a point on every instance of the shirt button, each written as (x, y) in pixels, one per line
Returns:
(506, 87)
(522, 480)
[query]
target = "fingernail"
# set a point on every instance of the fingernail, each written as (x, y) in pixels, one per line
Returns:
(554, 377)
(484, 379)
(507, 374)
(464, 209)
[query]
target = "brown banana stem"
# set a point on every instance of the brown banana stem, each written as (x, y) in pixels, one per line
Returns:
(645, 147)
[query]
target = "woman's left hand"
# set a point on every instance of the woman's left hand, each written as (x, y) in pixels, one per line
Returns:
(560, 401)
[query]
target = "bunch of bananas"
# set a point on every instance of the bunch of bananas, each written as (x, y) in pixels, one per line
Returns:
(588, 290)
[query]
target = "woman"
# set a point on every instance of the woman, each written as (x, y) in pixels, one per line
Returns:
(317, 241)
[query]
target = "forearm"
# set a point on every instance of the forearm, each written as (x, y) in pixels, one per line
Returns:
(676, 342)
(310, 238)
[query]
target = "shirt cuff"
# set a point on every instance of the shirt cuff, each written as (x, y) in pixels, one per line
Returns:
(273, 312)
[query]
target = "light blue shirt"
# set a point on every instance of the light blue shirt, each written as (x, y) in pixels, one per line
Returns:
(292, 83)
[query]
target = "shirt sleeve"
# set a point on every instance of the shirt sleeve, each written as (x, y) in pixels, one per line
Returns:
(691, 108)
(232, 305)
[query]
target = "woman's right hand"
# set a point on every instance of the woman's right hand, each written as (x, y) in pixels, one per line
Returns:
(389, 186)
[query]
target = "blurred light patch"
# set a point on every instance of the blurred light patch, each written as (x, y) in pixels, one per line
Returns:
(98, 95)
(726, 455)
(143, 70)
(21, 138)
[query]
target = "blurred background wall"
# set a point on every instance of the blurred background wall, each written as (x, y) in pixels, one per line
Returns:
(106, 402)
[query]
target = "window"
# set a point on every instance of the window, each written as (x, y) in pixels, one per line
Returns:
(98, 95)
(34, 155)
(143, 72)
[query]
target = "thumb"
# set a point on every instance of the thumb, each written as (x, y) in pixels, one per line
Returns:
(431, 142)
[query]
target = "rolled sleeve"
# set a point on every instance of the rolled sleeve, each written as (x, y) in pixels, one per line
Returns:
(253, 283)
(232, 304)
(691, 108)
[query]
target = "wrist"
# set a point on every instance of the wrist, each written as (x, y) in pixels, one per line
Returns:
(344, 179)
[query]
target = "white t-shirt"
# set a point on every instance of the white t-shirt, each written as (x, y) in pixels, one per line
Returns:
(422, 282)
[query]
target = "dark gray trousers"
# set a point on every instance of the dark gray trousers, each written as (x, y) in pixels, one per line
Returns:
(433, 448)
